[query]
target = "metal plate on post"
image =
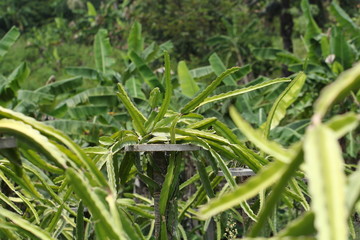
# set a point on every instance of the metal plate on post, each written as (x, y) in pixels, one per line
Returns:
(239, 172)
(161, 148)
(7, 143)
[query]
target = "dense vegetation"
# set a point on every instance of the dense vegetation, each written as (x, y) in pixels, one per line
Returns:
(270, 86)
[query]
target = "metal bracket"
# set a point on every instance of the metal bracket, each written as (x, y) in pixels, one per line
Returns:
(182, 148)
(7, 143)
(161, 148)
(239, 172)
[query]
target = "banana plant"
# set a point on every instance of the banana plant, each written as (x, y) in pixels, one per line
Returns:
(11, 84)
(8, 40)
(66, 102)
(327, 54)
(317, 158)
(236, 43)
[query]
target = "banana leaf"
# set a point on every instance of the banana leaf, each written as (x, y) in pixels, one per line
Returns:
(8, 40)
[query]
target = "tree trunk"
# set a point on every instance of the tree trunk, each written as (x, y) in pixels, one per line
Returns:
(321, 18)
(160, 165)
(287, 23)
(159, 170)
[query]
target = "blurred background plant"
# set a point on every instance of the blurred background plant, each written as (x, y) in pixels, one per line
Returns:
(52, 30)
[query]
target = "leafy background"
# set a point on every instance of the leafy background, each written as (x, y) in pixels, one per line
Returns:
(81, 81)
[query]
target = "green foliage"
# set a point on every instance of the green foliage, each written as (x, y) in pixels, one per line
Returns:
(303, 152)
(25, 14)
(102, 50)
(337, 91)
(135, 40)
(187, 83)
(219, 67)
(8, 40)
(289, 95)
(195, 103)
(70, 160)
(168, 129)
(324, 168)
(195, 20)
(242, 91)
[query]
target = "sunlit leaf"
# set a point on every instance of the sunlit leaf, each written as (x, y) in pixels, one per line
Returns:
(26, 225)
(193, 104)
(325, 169)
(286, 98)
(242, 91)
(264, 179)
(96, 206)
(81, 158)
(6, 200)
(91, 9)
(256, 137)
(188, 86)
(336, 91)
(33, 137)
(136, 115)
(343, 124)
